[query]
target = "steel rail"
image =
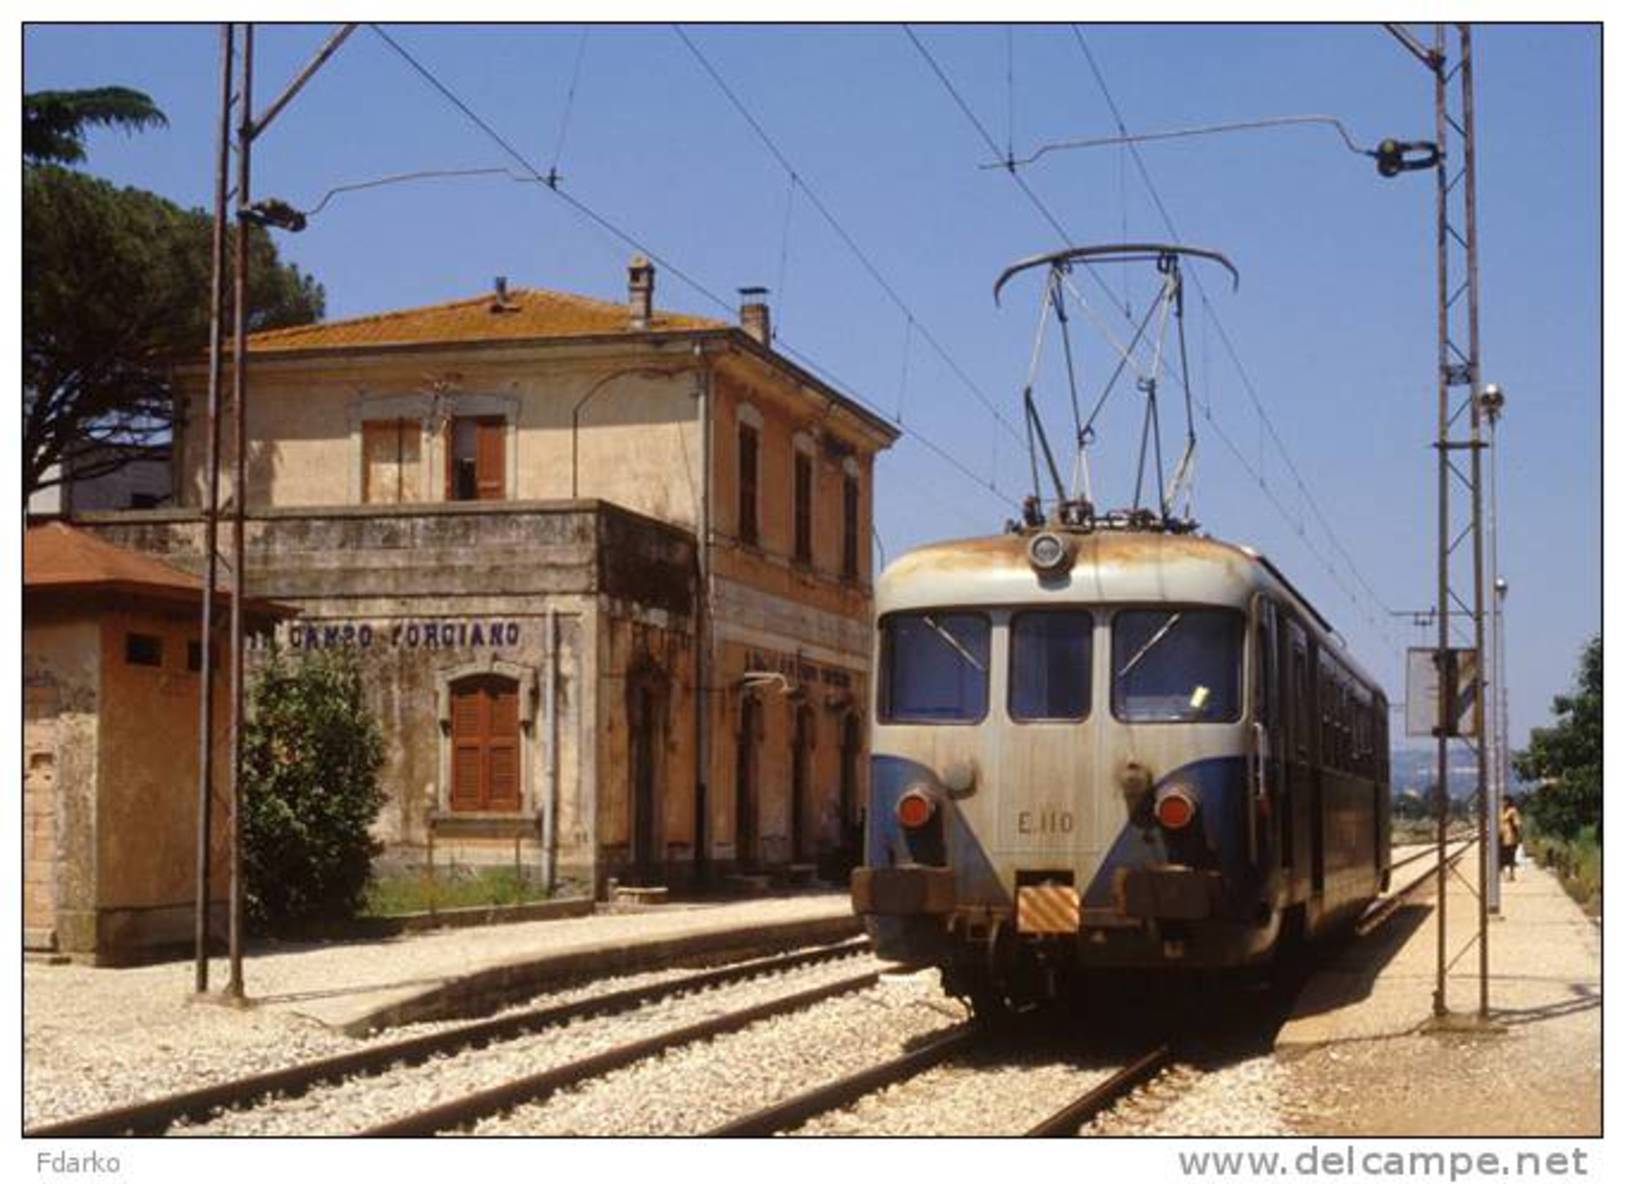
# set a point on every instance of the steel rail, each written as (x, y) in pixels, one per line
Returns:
(1070, 1119)
(792, 1112)
(1066, 1121)
(459, 1112)
(157, 1115)
(1380, 910)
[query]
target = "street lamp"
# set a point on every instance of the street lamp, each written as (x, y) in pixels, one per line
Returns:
(1491, 402)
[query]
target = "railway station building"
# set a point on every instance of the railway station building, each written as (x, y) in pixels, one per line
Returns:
(607, 567)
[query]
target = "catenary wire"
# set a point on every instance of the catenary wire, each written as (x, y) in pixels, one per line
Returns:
(1224, 336)
(849, 391)
(834, 223)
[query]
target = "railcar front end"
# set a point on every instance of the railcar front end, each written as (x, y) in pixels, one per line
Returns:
(1073, 763)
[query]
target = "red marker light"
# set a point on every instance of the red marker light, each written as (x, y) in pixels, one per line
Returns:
(1175, 809)
(915, 809)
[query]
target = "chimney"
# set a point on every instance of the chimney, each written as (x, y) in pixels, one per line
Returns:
(753, 315)
(500, 301)
(640, 277)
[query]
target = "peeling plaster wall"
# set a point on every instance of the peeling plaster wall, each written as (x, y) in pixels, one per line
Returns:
(424, 595)
(61, 688)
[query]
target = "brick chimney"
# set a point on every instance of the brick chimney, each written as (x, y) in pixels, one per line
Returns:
(640, 282)
(753, 315)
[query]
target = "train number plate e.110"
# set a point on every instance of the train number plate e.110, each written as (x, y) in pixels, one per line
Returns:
(1047, 908)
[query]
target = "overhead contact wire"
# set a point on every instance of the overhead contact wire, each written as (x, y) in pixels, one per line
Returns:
(1224, 335)
(629, 239)
(842, 233)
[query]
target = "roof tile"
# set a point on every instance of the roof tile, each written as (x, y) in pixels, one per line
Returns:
(527, 313)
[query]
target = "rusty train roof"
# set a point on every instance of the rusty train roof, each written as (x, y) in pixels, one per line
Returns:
(1108, 566)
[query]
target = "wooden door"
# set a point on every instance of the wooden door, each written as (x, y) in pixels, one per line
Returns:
(745, 785)
(800, 776)
(645, 804)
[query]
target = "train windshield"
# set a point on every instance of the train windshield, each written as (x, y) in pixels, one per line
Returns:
(934, 667)
(1176, 666)
(1051, 665)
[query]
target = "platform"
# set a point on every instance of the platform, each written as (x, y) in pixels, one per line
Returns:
(359, 987)
(1545, 961)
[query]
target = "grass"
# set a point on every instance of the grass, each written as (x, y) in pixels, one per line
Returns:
(449, 888)
(1577, 863)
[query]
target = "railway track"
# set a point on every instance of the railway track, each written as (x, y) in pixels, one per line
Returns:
(961, 1043)
(157, 1115)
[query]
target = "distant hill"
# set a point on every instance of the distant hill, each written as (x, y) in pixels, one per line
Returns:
(1413, 770)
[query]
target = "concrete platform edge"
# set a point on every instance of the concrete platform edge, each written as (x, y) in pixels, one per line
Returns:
(489, 989)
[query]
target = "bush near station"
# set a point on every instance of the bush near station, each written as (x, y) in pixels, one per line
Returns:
(312, 751)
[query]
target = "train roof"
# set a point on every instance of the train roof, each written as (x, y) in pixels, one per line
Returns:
(1108, 566)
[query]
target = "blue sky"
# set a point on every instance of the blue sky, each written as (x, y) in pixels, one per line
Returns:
(1333, 323)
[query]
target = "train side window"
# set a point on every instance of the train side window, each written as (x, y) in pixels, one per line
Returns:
(1051, 663)
(934, 667)
(1302, 717)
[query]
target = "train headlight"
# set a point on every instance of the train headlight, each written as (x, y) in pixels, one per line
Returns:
(959, 779)
(1049, 553)
(916, 808)
(1174, 808)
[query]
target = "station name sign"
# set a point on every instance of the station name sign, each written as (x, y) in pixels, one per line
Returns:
(411, 635)
(798, 668)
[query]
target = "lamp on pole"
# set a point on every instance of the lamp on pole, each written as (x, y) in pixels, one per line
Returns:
(1491, 401)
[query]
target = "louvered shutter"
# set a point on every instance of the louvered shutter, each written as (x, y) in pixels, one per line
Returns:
(490, 454)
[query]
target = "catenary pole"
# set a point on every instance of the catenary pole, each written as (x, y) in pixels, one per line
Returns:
(1441, 657)
(211, 503)
(239, 499)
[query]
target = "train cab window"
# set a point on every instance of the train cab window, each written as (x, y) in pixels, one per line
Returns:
(934, 667)
(1051, 661)
(1177, 666)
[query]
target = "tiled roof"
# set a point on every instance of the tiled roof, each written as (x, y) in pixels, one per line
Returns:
(59, 557)
(527, 313)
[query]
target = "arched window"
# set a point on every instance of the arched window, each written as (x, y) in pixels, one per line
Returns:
(485, 744)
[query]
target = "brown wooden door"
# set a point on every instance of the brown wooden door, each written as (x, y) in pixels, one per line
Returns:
(485, 744)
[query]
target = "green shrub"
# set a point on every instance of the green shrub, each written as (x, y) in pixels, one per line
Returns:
(312, 750)
(1576, 862)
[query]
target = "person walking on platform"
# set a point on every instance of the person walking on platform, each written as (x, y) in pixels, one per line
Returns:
(1511, 836)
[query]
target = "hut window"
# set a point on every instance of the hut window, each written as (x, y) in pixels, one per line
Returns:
(143, 649)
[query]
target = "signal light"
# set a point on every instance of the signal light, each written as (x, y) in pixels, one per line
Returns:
(1174, 809)
(915, 808)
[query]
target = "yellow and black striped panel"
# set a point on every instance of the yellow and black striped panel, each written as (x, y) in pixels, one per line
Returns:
(1047, 908)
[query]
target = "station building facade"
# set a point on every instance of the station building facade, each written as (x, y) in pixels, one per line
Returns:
(608, 569)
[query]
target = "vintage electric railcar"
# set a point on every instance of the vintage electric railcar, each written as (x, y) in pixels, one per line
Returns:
(1112, 748)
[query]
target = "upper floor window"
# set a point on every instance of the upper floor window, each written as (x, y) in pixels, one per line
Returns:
(803, 507)
(748, 446)
(474, 459)
(849, 527)
(390, 451)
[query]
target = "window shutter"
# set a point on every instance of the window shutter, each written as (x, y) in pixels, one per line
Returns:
(491, 449)
(381, 461)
